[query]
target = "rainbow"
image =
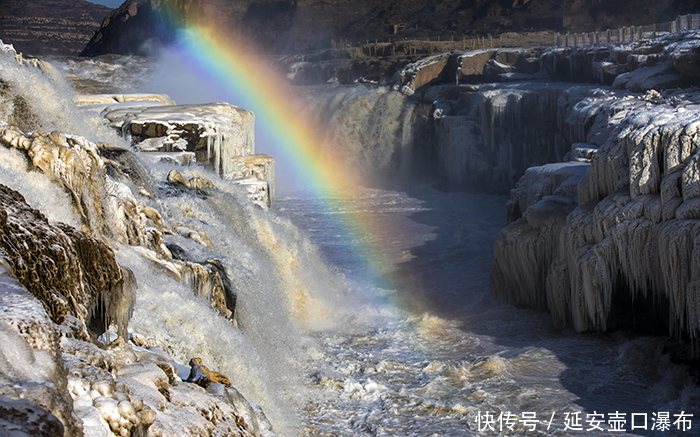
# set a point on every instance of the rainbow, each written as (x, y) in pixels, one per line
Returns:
(245, 80)
(250, 83)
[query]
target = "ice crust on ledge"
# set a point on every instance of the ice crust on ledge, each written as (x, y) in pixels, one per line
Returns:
(217, 135)
(631, 230)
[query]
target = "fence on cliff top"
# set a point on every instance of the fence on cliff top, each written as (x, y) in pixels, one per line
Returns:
(513, 39)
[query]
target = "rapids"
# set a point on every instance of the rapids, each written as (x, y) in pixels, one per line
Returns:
(416, 349)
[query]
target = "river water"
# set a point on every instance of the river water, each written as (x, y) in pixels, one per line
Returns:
(418, 348)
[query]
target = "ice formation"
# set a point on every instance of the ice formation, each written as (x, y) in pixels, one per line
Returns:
(627, 234)
(486, 136)
(218, 135)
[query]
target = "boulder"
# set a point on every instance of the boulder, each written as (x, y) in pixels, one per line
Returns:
(202, 376)
(474, 63)
(193, 183)
(686, 58)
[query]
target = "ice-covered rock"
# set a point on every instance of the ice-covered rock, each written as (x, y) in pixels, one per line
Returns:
(630, 244)
(217, 135)
(107, 206)
(216, 132)
(61, 287)
(193, 183)
(660, 76)
(553, 181)
(662, 63)
(105, 100)
(487, 136)
(69, 271)
(33, 392)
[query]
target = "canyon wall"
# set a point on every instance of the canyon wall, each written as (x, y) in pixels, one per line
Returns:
(607, 239)
(54, 27)
(301, 26)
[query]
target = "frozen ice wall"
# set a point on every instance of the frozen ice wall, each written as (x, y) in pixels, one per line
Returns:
(627, 237)
(485, 137)
(478, 138)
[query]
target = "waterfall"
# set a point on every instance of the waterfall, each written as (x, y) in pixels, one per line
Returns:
(283, 288)
(371, 128)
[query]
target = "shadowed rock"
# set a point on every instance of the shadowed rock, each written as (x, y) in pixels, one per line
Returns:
(69, 271)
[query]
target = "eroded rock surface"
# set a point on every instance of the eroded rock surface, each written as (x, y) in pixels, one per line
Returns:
(69, 271)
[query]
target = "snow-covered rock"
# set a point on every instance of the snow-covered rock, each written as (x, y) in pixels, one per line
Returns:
(216, 132)
(662, 63)
(33, 393)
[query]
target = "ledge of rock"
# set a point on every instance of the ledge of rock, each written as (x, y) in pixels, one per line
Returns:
(218, 135)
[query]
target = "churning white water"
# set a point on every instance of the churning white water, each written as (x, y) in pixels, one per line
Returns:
(327, 351)
(443, 356)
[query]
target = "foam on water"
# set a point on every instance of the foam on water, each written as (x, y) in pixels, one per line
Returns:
(433, 373)
(47, 102)
(104, 74)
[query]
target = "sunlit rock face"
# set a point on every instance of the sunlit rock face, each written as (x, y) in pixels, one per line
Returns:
(626, 240)
(476, 66)
(59, 27)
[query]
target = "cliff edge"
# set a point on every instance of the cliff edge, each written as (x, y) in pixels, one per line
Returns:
(301, 26)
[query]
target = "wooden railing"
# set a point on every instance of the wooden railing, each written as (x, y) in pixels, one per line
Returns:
(629, 33)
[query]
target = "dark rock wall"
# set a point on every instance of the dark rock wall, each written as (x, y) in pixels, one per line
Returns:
(49, 27)
(298, 26)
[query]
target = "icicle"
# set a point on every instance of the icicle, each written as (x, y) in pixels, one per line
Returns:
(638, 222)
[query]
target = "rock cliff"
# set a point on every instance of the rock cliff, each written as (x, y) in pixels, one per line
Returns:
(300, 26)
(607, 239)
(53, 27)
(219, 136)
(484, 137)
